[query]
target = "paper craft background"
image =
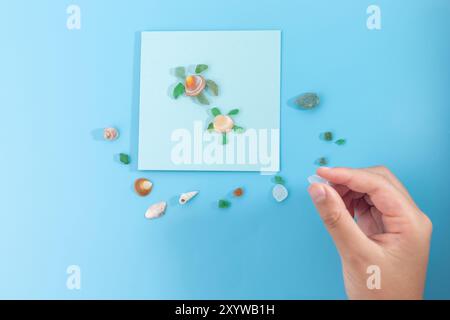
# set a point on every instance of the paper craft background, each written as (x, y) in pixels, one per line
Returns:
(65, 200)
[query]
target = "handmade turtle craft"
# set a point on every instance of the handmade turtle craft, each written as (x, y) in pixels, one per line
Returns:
(194, 84)
(224, 123)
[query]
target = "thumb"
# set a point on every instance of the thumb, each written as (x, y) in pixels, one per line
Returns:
(347, 236)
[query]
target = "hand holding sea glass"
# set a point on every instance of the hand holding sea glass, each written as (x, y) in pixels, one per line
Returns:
(375, 225)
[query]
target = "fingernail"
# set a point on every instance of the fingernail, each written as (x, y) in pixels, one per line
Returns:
(317, 193)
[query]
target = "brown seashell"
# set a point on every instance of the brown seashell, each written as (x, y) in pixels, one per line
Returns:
(143, 186)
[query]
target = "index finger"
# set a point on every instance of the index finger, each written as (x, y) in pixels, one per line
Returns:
(388, 199)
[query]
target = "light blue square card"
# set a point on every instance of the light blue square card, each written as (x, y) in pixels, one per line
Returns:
(210, 101)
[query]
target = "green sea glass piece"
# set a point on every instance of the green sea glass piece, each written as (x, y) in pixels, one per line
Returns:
(223, 204)
(215, 112)
(180, 72)
(322, 161)
(307, 100)
(340, 142)
(202, 99)
(124, 158)
(200, 68)
(278, 180)
(212, 87)
(178, 90)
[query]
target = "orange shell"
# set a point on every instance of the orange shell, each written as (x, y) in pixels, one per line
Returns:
(194, 85)
(143, 186)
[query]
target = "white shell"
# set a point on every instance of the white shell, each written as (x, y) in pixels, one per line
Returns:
(185, 197)
(279, 192)
(156, 210)
(316, 179)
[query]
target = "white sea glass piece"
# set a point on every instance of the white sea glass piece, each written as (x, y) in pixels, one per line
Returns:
(279, 192)
(316, 179)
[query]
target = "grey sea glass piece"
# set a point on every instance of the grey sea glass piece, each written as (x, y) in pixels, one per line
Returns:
(308, 100)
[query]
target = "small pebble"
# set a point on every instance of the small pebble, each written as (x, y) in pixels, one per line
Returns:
(156, 210)
(238, 192)
(124, 158)
(279, 192)
(110, 134)
(327, 136)
(223, 204)
(308, 100)
(186, 197)
(317, 179)
(143, 186)
(322, 161)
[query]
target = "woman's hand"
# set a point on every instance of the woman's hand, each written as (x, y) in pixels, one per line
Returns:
(388, 231)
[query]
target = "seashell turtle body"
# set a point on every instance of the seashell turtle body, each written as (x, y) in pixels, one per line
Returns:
(194, 85)
(223, 123)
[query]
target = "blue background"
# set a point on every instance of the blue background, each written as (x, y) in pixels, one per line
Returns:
(66, 200)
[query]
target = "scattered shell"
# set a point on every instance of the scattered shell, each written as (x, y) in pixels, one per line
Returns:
(317, 179)
(279, 192)
(110, 134)
(194, 85)
(143, 186)
(156, 210)
(238, 192)
(185, 197)
(223, 123)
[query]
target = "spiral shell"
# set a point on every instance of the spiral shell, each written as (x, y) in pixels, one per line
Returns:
(185, 197)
